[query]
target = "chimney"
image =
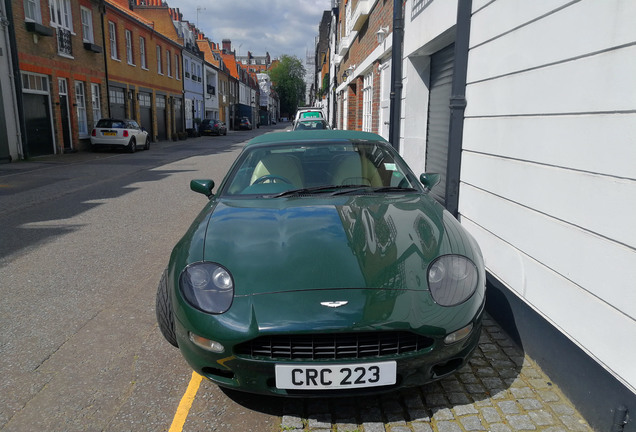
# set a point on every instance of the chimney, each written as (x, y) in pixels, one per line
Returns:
(227, 45)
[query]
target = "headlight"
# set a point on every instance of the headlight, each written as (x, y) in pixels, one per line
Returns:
(452, 279)
(207, 286)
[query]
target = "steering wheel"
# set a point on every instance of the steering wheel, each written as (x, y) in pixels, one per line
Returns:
(271, 178)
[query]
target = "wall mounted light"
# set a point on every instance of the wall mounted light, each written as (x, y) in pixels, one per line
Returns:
(382, 33)
(347, 73)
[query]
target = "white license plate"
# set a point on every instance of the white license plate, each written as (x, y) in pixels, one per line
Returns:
(335, 376)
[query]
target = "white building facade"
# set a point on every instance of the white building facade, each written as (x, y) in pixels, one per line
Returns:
(528, 110)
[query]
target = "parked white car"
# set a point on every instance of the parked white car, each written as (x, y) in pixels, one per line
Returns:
(118, 133)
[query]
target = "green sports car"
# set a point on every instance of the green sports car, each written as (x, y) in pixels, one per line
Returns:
(321, 266)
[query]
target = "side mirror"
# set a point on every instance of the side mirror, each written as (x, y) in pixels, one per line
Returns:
(203, 187)
(429, 180)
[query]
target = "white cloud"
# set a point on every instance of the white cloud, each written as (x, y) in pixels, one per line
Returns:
(275, 26)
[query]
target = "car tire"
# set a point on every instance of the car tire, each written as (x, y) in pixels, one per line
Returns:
(164, 311)
(132, 146)
(147, 145)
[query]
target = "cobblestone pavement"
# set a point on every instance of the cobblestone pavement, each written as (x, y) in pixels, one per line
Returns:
(501, 390)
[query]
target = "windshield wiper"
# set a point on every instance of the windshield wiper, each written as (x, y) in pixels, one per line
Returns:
(369, 189)
(317, 190)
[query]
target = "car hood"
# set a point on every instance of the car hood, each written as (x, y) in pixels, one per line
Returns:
(296, 244)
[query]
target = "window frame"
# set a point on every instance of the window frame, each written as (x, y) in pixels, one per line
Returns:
(86, 17)
(80, 105)
(159, 62)
(130, 59)
(143, 57)
(367, 103)
(96, 102)
(61, 14)
(37, 11)
(112, 38)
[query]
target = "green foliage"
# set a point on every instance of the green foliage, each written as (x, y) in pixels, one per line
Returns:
(288, 78)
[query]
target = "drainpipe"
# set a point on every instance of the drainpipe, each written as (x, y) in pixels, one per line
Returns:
(458, 105)
(17, 79)
(621, 418)
(396, 73)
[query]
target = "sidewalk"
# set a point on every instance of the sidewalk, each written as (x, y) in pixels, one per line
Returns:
(500, 390)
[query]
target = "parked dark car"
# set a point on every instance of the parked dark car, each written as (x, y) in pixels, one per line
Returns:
(245, 123)
(212, 127)
(323, 266)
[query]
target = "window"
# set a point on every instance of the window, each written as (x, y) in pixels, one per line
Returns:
(87, 25)
(142, 53)
(186, 68)
(159, 69)
(367, 103)
(61, 14)
(112, 37)
(129, 48)
(32, 11)
(168, 65)
(96, 99)
(80, 101)
(176, 67)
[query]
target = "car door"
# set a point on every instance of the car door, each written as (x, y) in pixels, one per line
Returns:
(137, 132)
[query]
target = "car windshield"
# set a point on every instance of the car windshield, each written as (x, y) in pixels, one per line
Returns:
(311, 125)
(110, 123)
(318, 168)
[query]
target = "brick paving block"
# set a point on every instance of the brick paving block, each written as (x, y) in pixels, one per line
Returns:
(522, 392)
(443, 414)
(488, 348)
(504, 363)
(478, 362)
(452, 385)
(529, 404)
(435, 399)
(400, 429)
(458, 399)
(373, 427)
(486, 372)
(493, 383)
(520, 422)
(499, 394)
(575, 423)
(465, 410)
(483, 401)
(347, 426)
(472, 423)
(532, 373)
(396, 419)
(562, 409)
(319, 421)
(555, 429)
(508, 407)
(490, 415)
(499, 427)
(468, 378)
(419, 415)
(548, 396)
(413, 401)
(448, 427)
(542, 418)
(421, 427)
(475, 388)
(291, 422)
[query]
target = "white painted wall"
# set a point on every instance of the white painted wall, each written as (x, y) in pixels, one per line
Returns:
(549, 164)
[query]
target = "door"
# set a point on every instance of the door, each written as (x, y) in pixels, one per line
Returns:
(160, 103)
(178, 114)
(37, 117)
(437, 135)
(64, 113)
(145, 112)
(117, 103)
(385, 99)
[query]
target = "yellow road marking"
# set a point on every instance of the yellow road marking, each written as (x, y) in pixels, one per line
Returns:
(186, 403)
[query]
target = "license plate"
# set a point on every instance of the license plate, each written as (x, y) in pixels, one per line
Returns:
(335, 376)
(110, 133)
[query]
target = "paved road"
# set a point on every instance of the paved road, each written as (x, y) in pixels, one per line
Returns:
(84, 239)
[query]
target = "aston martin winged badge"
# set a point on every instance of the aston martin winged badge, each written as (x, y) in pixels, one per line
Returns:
(334, 304)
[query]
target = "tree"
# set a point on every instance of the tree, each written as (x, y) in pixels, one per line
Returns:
(288, 81)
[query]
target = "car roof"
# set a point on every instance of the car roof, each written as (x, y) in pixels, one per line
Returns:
(325, 135)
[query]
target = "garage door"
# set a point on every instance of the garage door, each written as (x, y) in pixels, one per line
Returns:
(437, 135)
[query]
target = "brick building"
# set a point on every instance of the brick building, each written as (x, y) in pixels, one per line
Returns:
(62, 84)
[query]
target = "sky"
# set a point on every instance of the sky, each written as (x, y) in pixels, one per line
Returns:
(275, 26)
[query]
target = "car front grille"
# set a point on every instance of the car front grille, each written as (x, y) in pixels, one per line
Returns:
(333, 346)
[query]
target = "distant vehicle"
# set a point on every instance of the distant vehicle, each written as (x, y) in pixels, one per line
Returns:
(314, 124)
(212, 127)
(119, 133)
(305, 113)
(245, 123)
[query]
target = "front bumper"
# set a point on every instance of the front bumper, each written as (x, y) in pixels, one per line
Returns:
(257, 375)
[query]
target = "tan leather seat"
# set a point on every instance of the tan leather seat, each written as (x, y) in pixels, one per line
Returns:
(282, 165)
(356, 169)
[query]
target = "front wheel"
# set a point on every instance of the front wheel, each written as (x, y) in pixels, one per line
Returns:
(164, 311)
